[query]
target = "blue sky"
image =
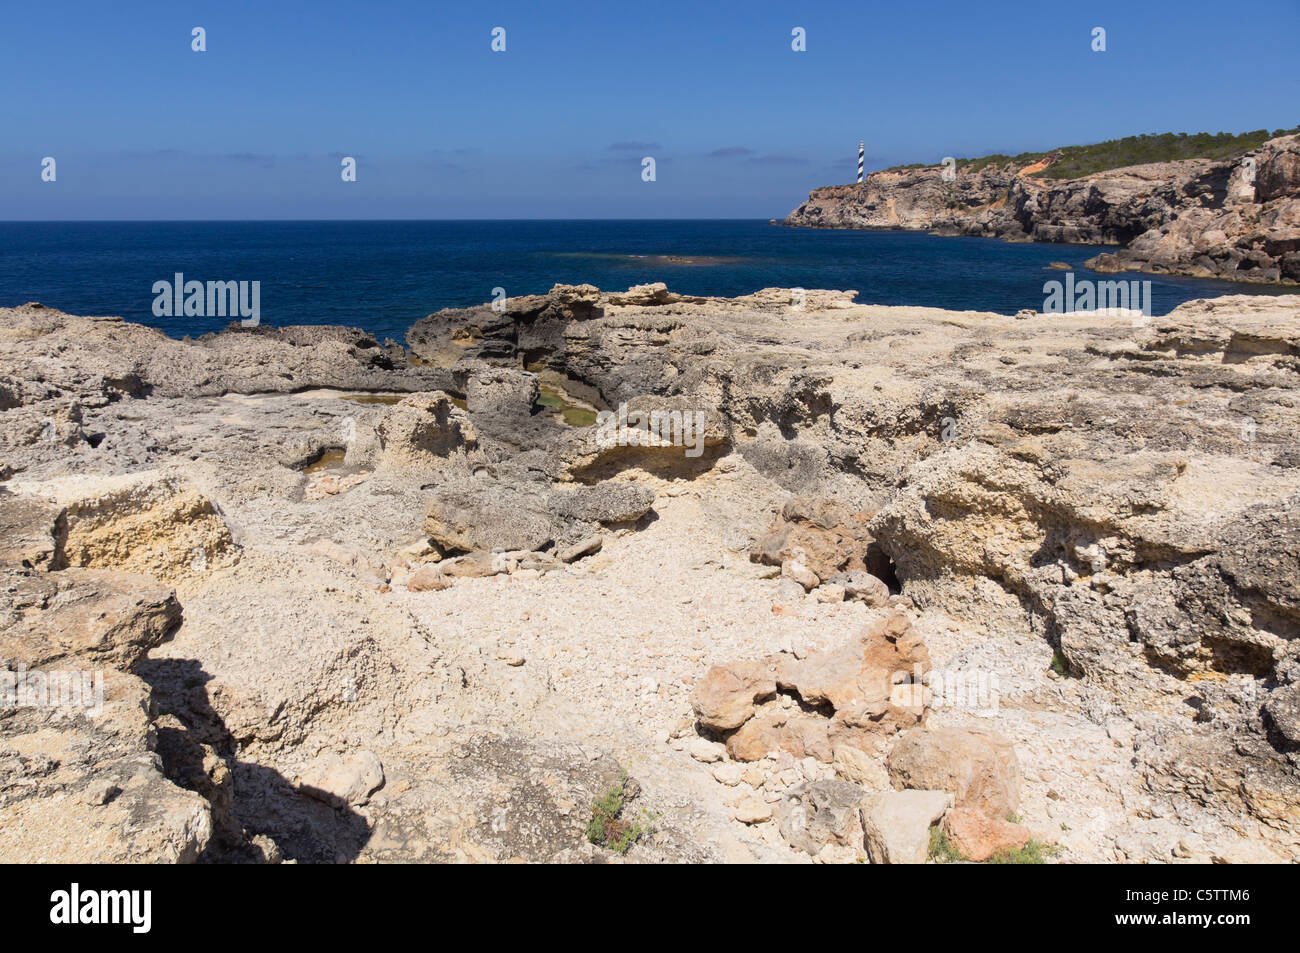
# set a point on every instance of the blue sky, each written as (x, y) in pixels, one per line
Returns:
(740, 125)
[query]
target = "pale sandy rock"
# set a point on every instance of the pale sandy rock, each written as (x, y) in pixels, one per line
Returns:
(145, 522)
(1074, 441)
(31, 532)
(858, 677)
(753, 811)
(821, 536)
(87, 788)
(728, 774)
(704, 751)
(98, 615)
(830, 592)
(428, 579)
(342, 779)
(853, 764)
(860, 584)
(424, 433)
(896, 824)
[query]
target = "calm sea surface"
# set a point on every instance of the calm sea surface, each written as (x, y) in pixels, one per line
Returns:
(382, 276)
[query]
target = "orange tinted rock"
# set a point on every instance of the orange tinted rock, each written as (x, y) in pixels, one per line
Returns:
(978, 768)
(724, 698)
(775, 729)
(977, 837)
(859, 679)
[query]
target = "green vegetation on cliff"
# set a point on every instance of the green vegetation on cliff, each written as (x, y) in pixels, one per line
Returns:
(1165, 147)
(1076, 161)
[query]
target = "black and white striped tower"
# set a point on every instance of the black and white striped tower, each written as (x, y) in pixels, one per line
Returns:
(862, 154)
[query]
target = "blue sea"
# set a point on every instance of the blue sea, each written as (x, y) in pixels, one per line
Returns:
(383, 276)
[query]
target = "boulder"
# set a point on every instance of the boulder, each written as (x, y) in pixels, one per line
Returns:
(428, 579)
(724, 699)
(858, 679)
(514, 512)
(422, 433)
(583, 547)
(777, 729)
(98, 615)
(484, 515)
(796, 570)
(863, 586)
(978, 768)
(813, 815)
(607, 503)
(501, 391)
(977, 837)
(825, 535)
(896, 824)
(855, 765)
(704, 751)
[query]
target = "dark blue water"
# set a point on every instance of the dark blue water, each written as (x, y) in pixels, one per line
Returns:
(382, 276)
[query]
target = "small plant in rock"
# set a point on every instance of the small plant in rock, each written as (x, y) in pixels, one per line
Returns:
(1034, 852)
(608, 828)
(1060, 664)
(942, 850)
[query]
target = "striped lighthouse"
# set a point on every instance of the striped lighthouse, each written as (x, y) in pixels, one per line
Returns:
(862, 154)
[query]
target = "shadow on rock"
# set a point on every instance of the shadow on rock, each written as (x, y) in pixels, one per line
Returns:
(258, 815)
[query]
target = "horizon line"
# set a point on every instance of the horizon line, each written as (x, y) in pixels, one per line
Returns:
(155, 221)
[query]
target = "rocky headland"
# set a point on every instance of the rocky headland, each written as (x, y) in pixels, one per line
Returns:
(1236, 219)
(632, 575)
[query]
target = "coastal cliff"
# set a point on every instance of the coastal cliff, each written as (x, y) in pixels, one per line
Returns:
(1235, 218)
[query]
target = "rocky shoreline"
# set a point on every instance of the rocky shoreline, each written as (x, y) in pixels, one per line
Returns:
(823, 582)
(1237, 219)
